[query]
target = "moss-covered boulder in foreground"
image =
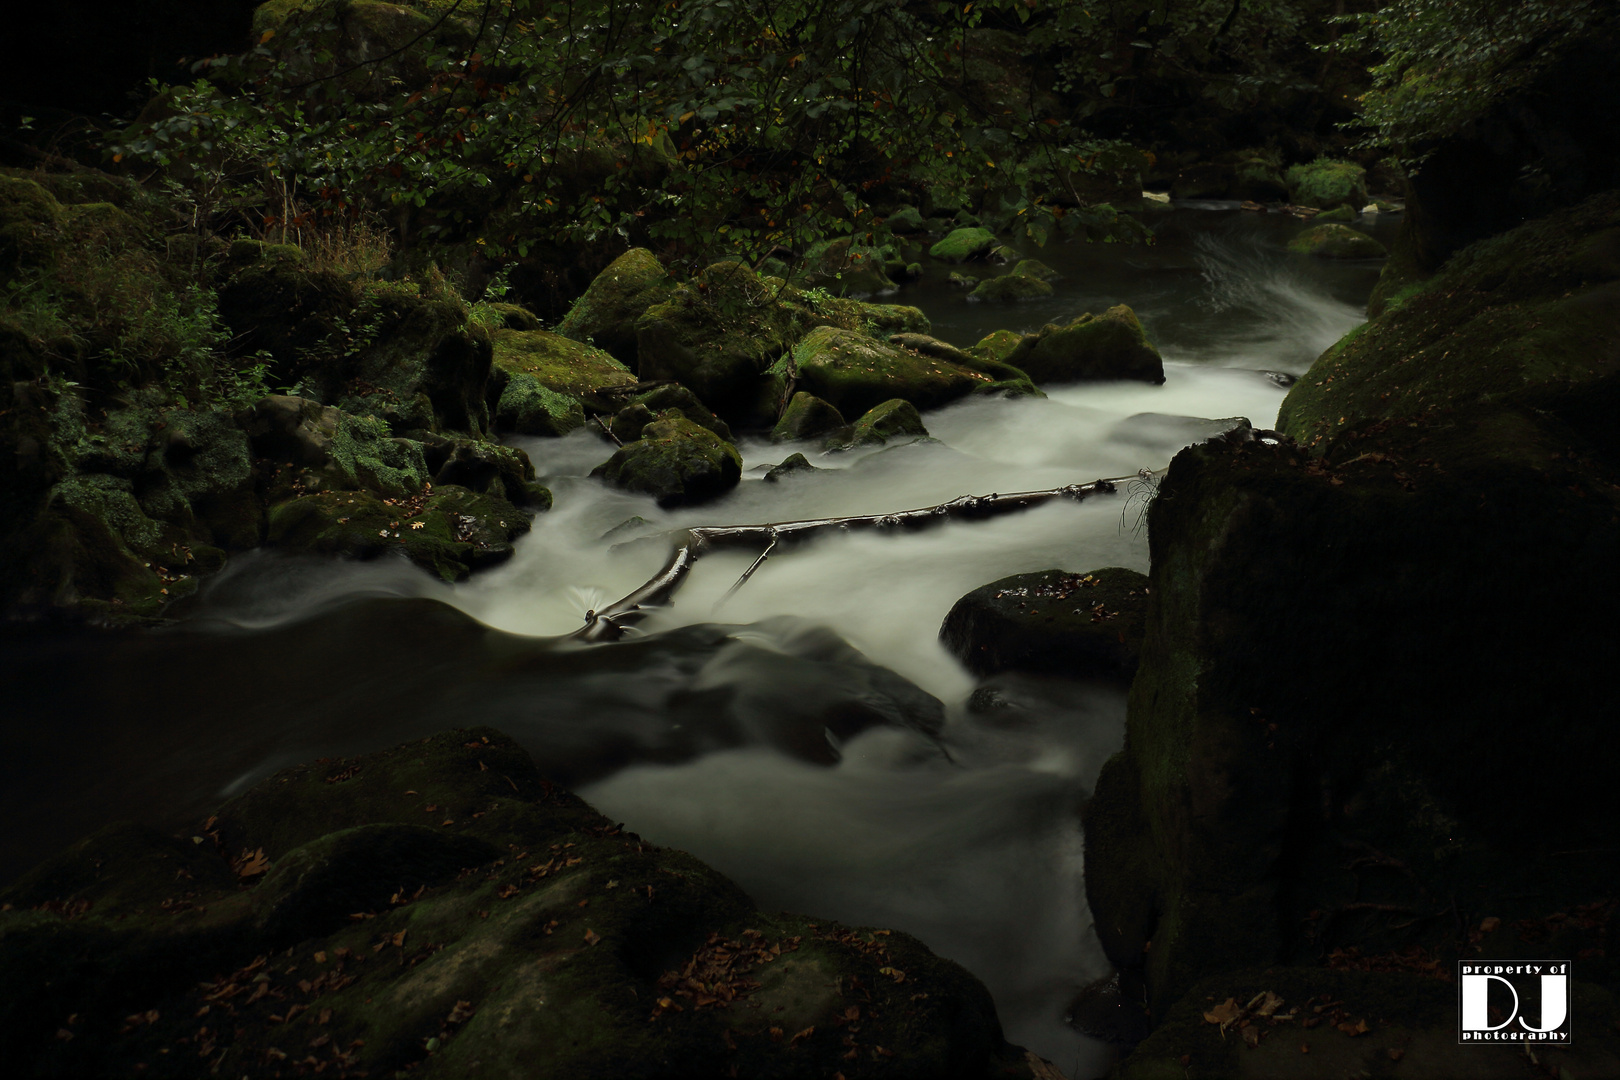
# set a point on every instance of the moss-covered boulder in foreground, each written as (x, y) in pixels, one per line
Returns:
(1324, 673)
(1052, 622)
(605, 316)
(895, 419)
(1334, 241)
(675, 461)
(442, 908)
(1089, 347)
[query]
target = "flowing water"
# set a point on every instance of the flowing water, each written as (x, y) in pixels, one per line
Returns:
(716, 741)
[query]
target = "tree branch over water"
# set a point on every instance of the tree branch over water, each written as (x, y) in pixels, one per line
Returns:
(690, 544)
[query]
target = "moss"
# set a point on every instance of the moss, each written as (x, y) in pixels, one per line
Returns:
(1081, 625)
(363, 455)
(961, 245)
(563, 366)
(1341, 213)
(895, 419)
(1036, 269)
(605, 316)
(675, 461)
(1521, 320)
(528, 407)
(662, 399)
(30, 224)
(906, 220)
(1326, 184)
(1336, 242)
(1010, 288)
(717, 335)
(855, 373)
(997, 345)
(807, 417)
(1112, 345)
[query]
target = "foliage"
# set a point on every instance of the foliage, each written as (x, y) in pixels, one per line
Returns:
(704, 129)
(1446, 62)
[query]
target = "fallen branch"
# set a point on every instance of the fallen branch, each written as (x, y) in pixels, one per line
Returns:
(609, 624)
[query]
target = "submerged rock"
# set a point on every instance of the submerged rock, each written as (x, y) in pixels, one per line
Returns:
(1053, 622)
(675, 461)
(790, 465)
(443, 907)
(1334, 241)
(1112, 345)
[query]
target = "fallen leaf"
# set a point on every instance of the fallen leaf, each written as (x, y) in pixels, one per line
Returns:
(1269, 1004)
(805, 1034)
(1395, 1054)
(1358, 1028)
(1489, 924)
(1251, 1035)
(1224, 1013)
(320, 957)
(592, 937)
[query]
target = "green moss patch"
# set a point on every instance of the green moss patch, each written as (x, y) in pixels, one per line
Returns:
(1333, 241)
(675, 461)
(855, 373)
(1112, 345)
(562, 366)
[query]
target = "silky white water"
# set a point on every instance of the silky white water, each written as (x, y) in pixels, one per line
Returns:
(970, 842)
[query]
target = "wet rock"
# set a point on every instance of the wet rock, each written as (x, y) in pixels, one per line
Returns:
(906, 221)
(1053, 622)
(662, 399)
(487, 468)
(1341, 213)
(894, 419)
(527, 406)
(854, 372)
(1435, 445)
(845, 269)
(1036, 269)
(962, 281)
(1336, 242)
(1112, 345)
(498, 919)
(997, 345)
(717, 335)
(807, 417)
(293, 429)
(1010, 288)
(605, 316)
(791, 465)
(1326, 184)
(562, 366)
(628, 422)
(675, 461)
(960, 245)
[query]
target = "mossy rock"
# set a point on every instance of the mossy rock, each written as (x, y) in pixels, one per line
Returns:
(1036, 269)
(605, 316)
(717, 335)
(563, 366)
(1341, 213)
(199, 476)
(514, 316)
(100, 546)
(962, 281)
(272, 301)
(1325, 184)
(363, 455)
(997, 345)
(528, 407)
(906, 221)
(792, 465)
(675, 461)
(894, 318)
(1112, 345)
(845, 269)
(1010, 288)
(1336, 242)
(450, 533)
(895, 419)
(855, 373)
(485, 468)
(441, 904)
(1052, 622)
(960, 245)
(807, 417)
(661, 399)
(30, 225)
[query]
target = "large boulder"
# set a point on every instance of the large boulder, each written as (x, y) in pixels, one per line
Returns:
(855, 372)
(1010, 288)
(562, 366)
(895, 419)
(1323, 672)
(960, 245)
(444, 907)
(605, 316)
(717, 335)
(1052, 623)
(807, 417)
(675, 461)
(1089, 347)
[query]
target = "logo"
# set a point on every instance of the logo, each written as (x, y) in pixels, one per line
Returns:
(1518, 1001)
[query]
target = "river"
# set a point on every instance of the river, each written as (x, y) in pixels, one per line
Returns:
(710, 740)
